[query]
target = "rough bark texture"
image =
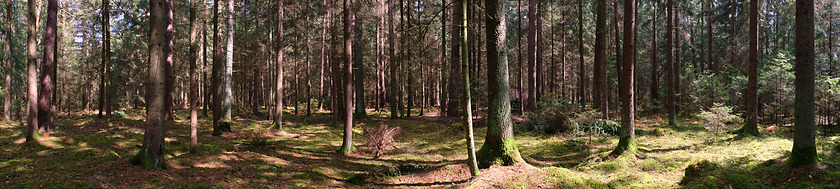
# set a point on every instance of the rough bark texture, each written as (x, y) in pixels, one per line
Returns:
(669, 63)
(216, 75)
(227, 97)
(151, 155)
(347, 143)
(392, 60)
(499, 146)
(600, 67)
(47, 66)
(193, 79)
(168, 67)
(531, 103)
(278, 94)
(627, 136)
(454, 106)
(804, 148)
(750, 124)
(104, 77)
(360, 69)
(7, 103)
(31, 73)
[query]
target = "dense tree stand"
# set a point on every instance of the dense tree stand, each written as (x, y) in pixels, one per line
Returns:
(499, 146)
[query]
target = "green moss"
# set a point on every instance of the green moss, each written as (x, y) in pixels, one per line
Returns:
(148, 163)
(738, 180)
(803, 156)
(493, 154)
(625, 144)
(344, 150)
(276, 125)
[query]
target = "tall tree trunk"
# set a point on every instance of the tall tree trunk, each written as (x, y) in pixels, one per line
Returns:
(804, 148)
(455, 89)
(472, 161)
(444, 98)
(392, 60)
(104, 98)
(669, 63)
(627, 136)
(654, 64)
(228, 74)
(347, 143)
(324, 27)
(32, 73)
(499, 146)
(532, 56)
(205, 93)
(582, 68)
(709, 41)
(678, 61)
(151, 155)
(47, 66)
(750, 124)
(169, 98)
(218, 68)
(522, 100)
(7, 103)
(278, 93)
(600, 76)
(358, 64)
(194, 76)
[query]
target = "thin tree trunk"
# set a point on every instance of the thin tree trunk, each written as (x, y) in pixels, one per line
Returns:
(218, 69)
(442, 101)
(347, 143)
(393, 62)
(599, 69)
(532, 57)
(654, 65)
(582, 74)
(7, 103)
(465, 74)
(194, 76)
(669, 63)
(522, 100)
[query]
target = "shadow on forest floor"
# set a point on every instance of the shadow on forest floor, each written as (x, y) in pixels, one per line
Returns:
(86, 151)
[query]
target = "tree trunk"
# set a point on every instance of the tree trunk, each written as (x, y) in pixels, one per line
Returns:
(444, 93)
(347, 143)
(669, 63)
(532, 57)
(455, 89)
(194, 76)
(522, 100)
(170, 78)
(358, 64)
(47, 67)
(278, 93)
(654, 64)
(804, 148)
(32, 73)
(151, 155)
(709, 41)
(324, 27)
(472, 161)
(228, 71)
(7, 103)
(392, 59)
(582, 76)
(499, 146)
(218, 68)
(600, 76)
(627, 136)
(750, 124)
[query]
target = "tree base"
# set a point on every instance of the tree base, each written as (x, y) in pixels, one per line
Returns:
(746, 130)
(359, 115)
(147, 161)
(276, 125)
(625, 144)
(344, 150)
(506, 154)
(804, 156)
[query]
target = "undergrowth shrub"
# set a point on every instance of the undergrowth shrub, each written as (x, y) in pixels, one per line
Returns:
(551, 116)
(590, 122)
(719, 118)
(381, 138)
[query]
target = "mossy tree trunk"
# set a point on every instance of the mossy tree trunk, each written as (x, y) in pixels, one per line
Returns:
(499, 146)
(804, 148)
(151, 154)
(627, 136)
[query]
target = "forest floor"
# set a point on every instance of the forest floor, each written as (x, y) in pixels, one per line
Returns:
(90, 152)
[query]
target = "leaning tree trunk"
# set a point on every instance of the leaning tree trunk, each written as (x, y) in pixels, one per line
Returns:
(627, 136)
(151, 155)
(804, 148)
(499, 146)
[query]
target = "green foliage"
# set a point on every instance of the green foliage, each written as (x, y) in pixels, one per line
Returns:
(589, 122)
(551, 116)
(775, 84)
(119, 114)
(719, 118)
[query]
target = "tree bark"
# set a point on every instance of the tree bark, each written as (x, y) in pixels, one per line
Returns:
(47, 66)
(654, 64)
(151, 155)
(7, 103)
(627, 136)
(194, 76)
(228, 71)
(455, 89)
(582, 71)
(218, 68)
(499, 146)
(751, 125)
(32, 73)
(532, 57)
(472, 161)
(347, 143)
(358, 64)
(600, 76)
(169, 99)
(804, 148)
(669, 63)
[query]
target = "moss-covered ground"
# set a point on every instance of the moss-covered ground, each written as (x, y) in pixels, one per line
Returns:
(90, 152)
